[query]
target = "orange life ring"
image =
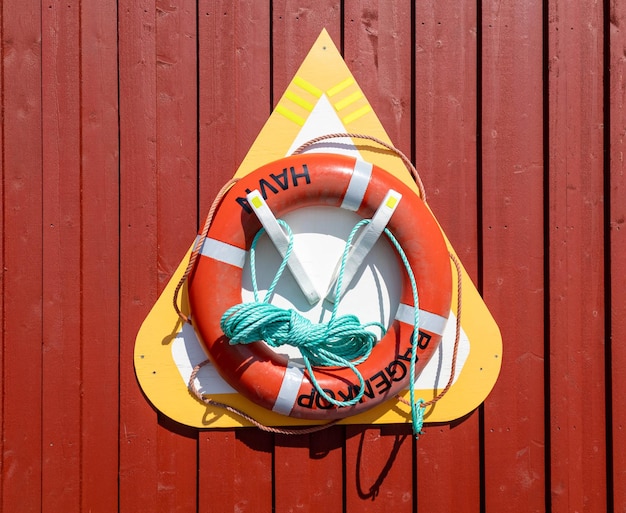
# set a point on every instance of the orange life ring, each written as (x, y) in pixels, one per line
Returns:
(314, 179)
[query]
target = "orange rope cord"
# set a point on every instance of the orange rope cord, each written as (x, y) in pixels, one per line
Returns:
(211, 402)
(457, 339)
(407, 162)
(196, 249)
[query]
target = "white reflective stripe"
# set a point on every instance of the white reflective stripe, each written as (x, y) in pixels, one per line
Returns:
(364, 243)
(428, 321)
(358, 185)
(223, 252)
(281, 242)
(289, 389)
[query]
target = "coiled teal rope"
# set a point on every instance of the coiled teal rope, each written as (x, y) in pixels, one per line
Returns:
(342, 342)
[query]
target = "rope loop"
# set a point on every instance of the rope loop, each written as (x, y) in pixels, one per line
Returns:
(342, 338)
(417, 417)
(405, 160)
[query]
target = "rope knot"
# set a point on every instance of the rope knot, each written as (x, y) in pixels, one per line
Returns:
(303, 333)
(341, 341)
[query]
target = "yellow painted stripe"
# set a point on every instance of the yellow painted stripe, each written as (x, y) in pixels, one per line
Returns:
(349, 100)
(291, 116)
(357, 114)
(308, 87)
(340, 86)
(299, 101)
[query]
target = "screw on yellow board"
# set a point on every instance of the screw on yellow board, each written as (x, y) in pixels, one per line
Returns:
(322, 98)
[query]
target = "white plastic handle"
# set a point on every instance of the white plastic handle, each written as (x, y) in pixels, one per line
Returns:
(364, 243)
(281, 242)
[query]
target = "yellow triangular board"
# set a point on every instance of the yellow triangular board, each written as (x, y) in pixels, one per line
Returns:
(322, 98)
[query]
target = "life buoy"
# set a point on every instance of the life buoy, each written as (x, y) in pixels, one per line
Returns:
(269, 379)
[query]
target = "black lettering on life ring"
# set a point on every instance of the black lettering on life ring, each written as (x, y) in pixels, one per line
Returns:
(423, 339)
(281, 180)
(322, 403)
(382, 383)
(377, 384)
(396, 370)
(304, 174)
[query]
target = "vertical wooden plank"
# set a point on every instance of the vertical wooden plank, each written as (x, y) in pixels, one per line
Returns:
(62, 257)
(616, 76)
(295, 27)
(235, 471)
(176, 161)
(2, 253)
(377, 49)
(234, 81)
(379, 469)
(176, 485)
(138, 472)
(158, 112)
(311, 466)
(446, 120)
(445, 79)
(22, 263)
(448, 466)
(234, 466)
(577, 399)
(176, 131)
(513, 252)
(100, 252)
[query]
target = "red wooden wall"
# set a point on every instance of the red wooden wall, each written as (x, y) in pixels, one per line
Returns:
(120, 120)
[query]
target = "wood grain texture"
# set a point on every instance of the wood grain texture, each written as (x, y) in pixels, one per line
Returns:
(235, 91)
(2, 253)
(379, 468)
(22, 257)
(235, 471)
(234, 466)
(513, 251)
(138, 467)
(295, 27)
(176, 197)
(446, 80)
(576, 258)
(176, 131)
(308, 471)
(62, 262)
(377, 47)
(448, 458)
(445, 103)
(100, 256)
